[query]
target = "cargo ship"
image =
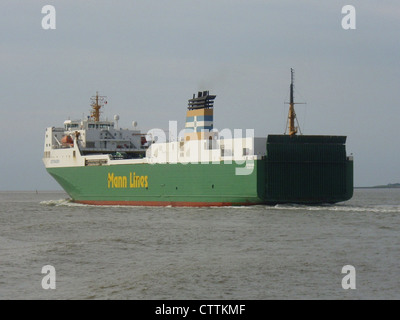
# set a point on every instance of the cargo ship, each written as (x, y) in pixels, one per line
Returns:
(98, 163)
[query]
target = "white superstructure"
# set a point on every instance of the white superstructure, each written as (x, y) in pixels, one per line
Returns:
(92, 142)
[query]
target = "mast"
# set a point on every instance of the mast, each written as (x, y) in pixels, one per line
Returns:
(292, 113)
(97, 103)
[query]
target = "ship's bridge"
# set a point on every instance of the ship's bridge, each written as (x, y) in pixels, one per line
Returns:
(72, 125)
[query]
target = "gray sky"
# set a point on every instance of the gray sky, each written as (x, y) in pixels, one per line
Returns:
(148, 57)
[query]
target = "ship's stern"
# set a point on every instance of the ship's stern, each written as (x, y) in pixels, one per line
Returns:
(308, 169)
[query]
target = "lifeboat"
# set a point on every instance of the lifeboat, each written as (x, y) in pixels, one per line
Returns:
(67, 141)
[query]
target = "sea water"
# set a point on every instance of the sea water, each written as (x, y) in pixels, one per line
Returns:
(258, 252)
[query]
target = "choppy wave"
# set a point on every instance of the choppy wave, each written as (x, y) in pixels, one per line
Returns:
(346, 208)
(70, 203)
(61, 202)
(121, 253)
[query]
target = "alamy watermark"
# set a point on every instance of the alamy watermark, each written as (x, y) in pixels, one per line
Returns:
(349, 20)
(349, 280)
(214, 147)
(49, 20)
(49, 280)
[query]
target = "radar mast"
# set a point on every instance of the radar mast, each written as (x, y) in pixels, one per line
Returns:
(97, 103)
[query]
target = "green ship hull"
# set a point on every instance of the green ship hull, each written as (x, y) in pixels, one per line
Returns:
(300, 169)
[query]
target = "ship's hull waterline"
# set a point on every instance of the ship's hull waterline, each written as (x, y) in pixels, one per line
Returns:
(201, 185)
